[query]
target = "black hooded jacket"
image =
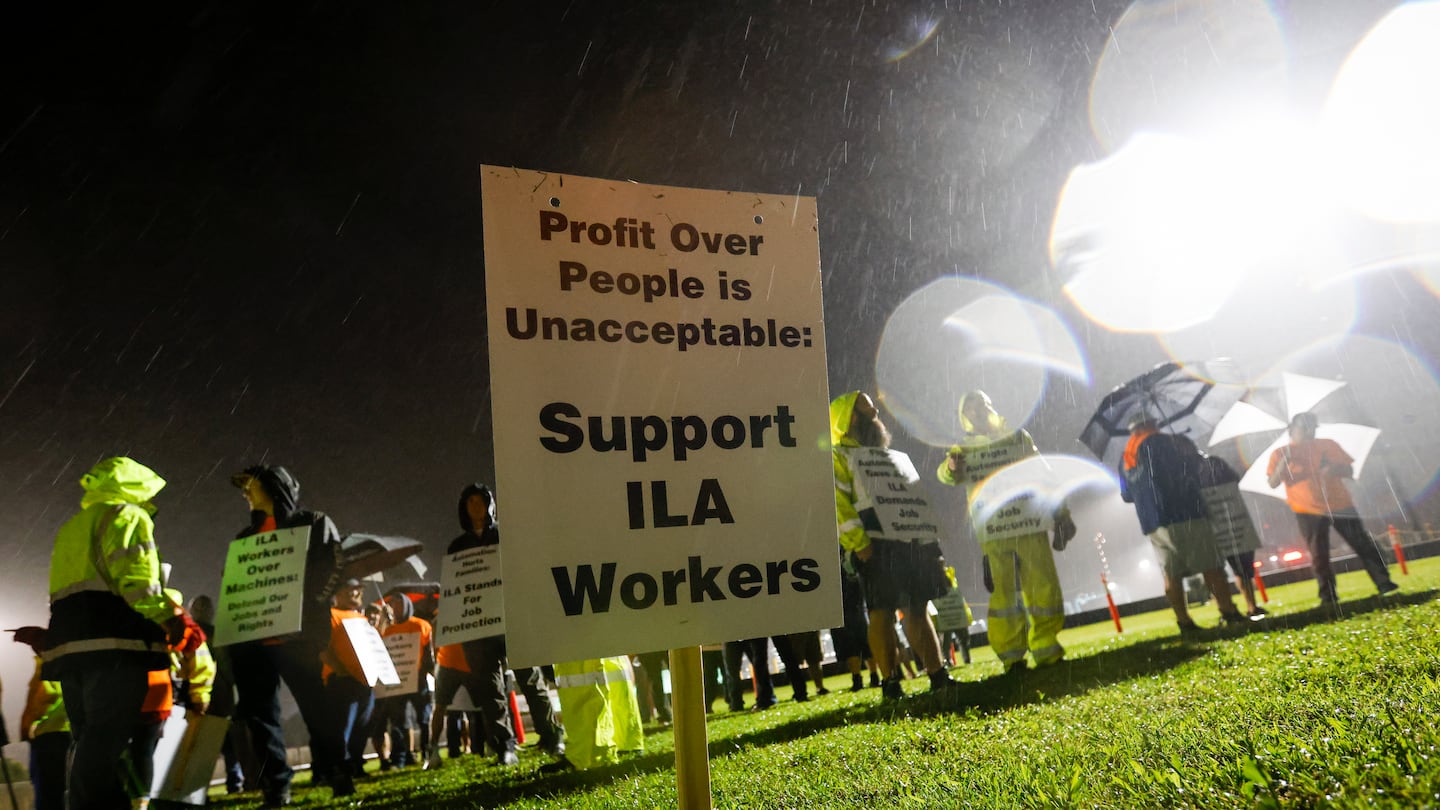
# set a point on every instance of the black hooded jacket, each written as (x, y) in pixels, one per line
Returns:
(488, 536)
(322, 572)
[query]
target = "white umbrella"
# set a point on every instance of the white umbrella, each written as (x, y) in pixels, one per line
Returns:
(1353, 439)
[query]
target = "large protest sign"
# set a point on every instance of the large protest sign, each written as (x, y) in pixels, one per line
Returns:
(1229, 519)
(888, 496)
(371, 652)
(658, 386)
(262, 590)
(405, 651)
(472, 600)
(1002, 499)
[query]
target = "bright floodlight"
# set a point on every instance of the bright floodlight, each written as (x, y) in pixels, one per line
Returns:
(1383, 114)
(1150, 239)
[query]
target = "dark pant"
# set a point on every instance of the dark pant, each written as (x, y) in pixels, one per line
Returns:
(853, 639)
(103, 703)
(653, 664)
(486, 658)
(713, 664)
(47, 769)
(259, 668)
(350, 703)
(754, 649)
(1316, 529)
(455, 739)
(790, 658)
(142, 752)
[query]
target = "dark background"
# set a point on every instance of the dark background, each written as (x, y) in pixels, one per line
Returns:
(240, 232)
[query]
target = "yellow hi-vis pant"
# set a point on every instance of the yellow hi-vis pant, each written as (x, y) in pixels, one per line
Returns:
(599, 710)
(1026, 596)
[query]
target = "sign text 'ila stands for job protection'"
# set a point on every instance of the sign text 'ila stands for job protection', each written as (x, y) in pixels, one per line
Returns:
(657, 372)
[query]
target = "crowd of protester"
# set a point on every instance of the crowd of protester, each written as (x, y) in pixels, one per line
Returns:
(122, 649)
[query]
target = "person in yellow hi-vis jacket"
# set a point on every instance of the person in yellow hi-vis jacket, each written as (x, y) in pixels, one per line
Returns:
(600, 711)
(109, 623)
(1027, 608)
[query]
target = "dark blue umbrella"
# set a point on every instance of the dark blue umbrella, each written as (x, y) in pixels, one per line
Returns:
(1188, 399)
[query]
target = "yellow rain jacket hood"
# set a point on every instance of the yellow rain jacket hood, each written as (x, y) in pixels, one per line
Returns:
(842, 410)
(121, 480)
(850, 531)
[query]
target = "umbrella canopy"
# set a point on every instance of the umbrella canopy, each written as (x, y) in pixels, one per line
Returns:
(1259, 412)
(364, 554)
(1356, 440)
(1183, 398)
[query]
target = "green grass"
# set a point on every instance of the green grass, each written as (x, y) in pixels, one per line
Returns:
(1304, 712)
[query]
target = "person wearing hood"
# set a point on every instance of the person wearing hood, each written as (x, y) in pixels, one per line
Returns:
(1027, 607)
(273, 495)
(485, 658)
(897, 573)
(109, 623)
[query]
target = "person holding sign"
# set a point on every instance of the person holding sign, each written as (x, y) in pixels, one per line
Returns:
(273, 495)
(348, 695)
(1160, 474)
(1027, 608)
(485, 659)
(109, 623)
(406, 712)
(899, 563)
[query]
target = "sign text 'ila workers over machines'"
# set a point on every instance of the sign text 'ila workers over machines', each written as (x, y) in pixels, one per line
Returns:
(660, 403)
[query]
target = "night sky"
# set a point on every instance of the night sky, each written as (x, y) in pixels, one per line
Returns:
(236, 232)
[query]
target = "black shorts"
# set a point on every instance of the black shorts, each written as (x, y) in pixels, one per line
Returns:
(901, 575)
(448, 682)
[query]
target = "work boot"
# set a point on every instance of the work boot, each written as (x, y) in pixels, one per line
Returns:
(342, 783)
(856, 682)
(277, 796)
(940, 679)
(892, 690)
(874, 679)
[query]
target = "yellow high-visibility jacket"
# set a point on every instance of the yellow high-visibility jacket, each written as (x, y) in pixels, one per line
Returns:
(850, 529)
(106, 601)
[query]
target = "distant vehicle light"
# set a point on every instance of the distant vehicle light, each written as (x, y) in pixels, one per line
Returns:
(1292, 556)
(1258, 563)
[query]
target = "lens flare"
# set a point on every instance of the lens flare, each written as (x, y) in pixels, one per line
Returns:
(1174, 65)
(1141, 237)
(1041, 483)
(958, 334)
(1382, 114)
(910, 40)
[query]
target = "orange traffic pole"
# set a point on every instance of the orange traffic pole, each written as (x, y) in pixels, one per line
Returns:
(1399, 552)
(515, 719)
(1260, 586)
(1110, 600)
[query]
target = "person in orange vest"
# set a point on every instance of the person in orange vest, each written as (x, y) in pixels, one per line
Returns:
(406, 714)
(1314, 472)
(45, 726)
(349, 699)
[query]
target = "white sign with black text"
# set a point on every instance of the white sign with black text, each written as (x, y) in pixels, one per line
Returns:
(472, 596)
(370, 650)
(262, 591)
(666, 479)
